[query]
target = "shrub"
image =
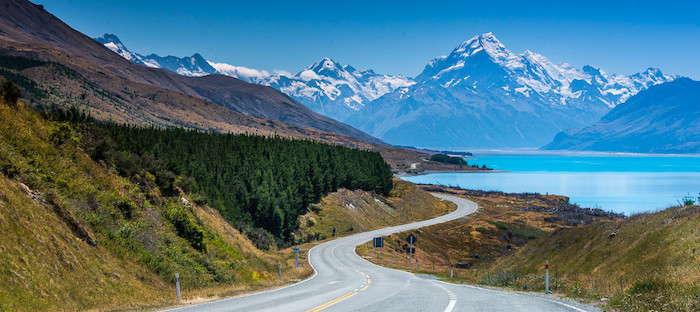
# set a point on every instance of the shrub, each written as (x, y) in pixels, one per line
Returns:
(187, 227)
(10, 92)
(127, 208)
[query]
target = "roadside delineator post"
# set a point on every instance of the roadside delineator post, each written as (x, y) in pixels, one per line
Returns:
(280, 271)
(177, 286)
(452, 272)
(546, 277)
(392, 260)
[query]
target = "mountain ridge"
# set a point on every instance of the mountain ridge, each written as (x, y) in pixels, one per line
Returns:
(662, 119)
(480, 76)
(326, 87)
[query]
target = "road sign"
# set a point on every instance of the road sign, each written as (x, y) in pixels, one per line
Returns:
(379, 242)
(297, 249)
(411, 239)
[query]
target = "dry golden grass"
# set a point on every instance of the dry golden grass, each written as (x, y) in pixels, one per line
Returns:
(650, 263)
(351, 212)
(475, 239)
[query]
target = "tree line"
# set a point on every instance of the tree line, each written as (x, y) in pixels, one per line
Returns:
(253, 181)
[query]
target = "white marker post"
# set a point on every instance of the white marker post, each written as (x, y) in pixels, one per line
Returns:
(280, 272)
(546, 277)
(452, 272)
(392, 260)
(177, 286)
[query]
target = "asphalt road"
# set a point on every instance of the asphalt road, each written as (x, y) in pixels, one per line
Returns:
(345, 282)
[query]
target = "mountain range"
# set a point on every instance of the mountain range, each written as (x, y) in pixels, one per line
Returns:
(484, 95)
(57, 65)
(661, 119)
(327, 87)
(480, 95)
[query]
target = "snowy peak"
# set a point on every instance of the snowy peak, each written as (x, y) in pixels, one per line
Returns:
(485, 42)
(107, 38)
(337, 90)
(484, 60)
(113, 43)
(194, 65)
(325, 65)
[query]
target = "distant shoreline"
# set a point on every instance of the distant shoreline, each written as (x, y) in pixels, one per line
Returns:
(426, 172)
(537, 152)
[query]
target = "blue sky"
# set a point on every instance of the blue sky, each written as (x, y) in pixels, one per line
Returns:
(398, 37)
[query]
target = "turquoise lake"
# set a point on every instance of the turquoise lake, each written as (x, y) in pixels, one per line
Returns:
(625, 184)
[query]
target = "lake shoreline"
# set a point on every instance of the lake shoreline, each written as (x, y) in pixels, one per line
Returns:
(628, 185)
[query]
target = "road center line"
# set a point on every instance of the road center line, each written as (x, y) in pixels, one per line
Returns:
(332, 302)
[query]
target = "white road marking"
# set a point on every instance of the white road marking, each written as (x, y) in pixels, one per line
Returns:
(453, 297)
(333, 282)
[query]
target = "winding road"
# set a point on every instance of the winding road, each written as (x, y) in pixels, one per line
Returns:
(343, 281)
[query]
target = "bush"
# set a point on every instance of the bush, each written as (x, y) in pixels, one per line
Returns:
(187, 227)
(127, 208)
(10, 92)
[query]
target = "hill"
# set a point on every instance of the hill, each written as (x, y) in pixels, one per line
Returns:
(648, 262)
(663, 119)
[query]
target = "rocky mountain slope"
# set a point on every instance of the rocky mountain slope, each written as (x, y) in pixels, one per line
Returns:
(116, 88)
(662, 119)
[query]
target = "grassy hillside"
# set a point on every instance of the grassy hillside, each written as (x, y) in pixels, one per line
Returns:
(347, 212)
(75, 235)
(648, 262)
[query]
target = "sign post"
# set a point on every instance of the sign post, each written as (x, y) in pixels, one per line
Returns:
(546, 277)
(297, 249)
(411, 239)
(377, 242)
(280, 271)
(177, 286)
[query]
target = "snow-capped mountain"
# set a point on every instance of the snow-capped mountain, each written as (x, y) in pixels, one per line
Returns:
(194, 65)
(480, 95)
(533, 73)
(334, 90)
(484, 95)
(326, 87)
(113, 43)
